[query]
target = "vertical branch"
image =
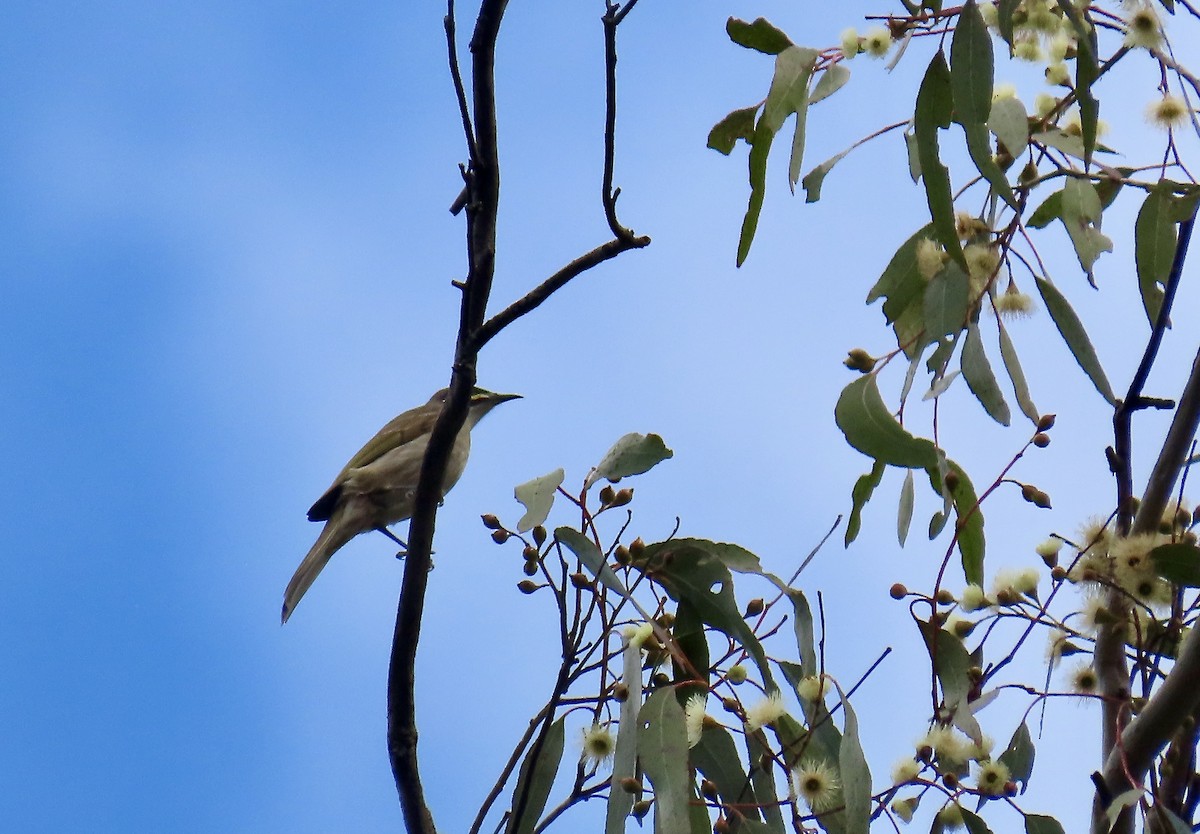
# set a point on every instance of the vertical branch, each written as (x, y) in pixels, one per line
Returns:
(482, 203)
(1128, 751)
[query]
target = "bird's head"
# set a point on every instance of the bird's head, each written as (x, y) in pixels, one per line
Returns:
(482, 401)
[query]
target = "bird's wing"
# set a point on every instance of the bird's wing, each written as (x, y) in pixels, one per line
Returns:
(400, 430)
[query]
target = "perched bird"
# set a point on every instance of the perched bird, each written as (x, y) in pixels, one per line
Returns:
(376, 488)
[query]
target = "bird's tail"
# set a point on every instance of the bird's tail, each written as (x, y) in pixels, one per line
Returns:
(335, 534)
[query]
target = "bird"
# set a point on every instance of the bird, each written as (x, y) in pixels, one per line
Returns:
(376, 488)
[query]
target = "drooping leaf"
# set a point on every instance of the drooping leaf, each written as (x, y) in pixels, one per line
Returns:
(717, 757)
(971, 539)
(1154, 247)
(972, 68)
(974, 823)
(737, 125)
(587, 552)
(787, 95)
(859, 496)
(1081, 213)
(1178, 563)
(940, 386)
(633, 454)
(980, 150)
(1004, 18)
(1008, 352)
(620, 802)
(1046, 213)
(760, 35)
(663, 750)
(816, 177)
(855, 775)
(536, 778)
(914, 158)
(946, 302)
(935, 107)
(870, 427)
(952, 664)
(1009, 121)
(1018, 756)
(537, 496)
(904, 512)
(977, 371)
(1076, 337)
(1087, 70)
(763, 781)
(831, 80)
(1041, 824)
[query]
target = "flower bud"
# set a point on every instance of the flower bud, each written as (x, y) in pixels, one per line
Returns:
(500, 536)
(527, 586)
(606, 495)
(898, 591)
(530, 568)
(708, 789)
(637, 547)
(859, 360)
(529, 553)
(640, 808)
(721, 826)
(1058, 573)
(1045, 422)
(944, 597)
(1041, 440)
(754, 607)
(581, 581)
(660, 680)
(621, 692)
(490, 521)
(622, 555)
(539, 535)
(623, 497)
(631, 785)
(736, 674)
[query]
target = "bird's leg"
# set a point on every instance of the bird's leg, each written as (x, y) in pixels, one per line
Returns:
(394, 538)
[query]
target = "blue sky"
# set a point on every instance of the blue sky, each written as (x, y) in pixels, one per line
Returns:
(226, 259)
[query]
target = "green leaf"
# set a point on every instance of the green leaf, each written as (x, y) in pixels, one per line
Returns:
(620, 802)
(832, 79)
(1068, 143)
(1120, 802)
(692, 571)
(536, 778)
(1008, 352)
(587, 552)
(788, 94)
(971, 539)
(977, 371)
(1009, 121)
(914, 158)
(803, 626)
(737, 125)
(935, 107)
(759, 35)
(1018, 756)
(1076, 337)
(901, 283)
(716, 756)
(870, 427)
(763, 782)
(537, 496)
(633, 454)
(1049, 211)
(859, 496)
(1081, 213)
(980, 150)
(1040, 824)
(904, 512)
(951, 663)
(975, 824)
(1087, 70)
(1178, 563)
(816, 177)
(663, 752)
(947, 301)
(1154, 247)
(972, 66)
(855, 775)
(1004, 15)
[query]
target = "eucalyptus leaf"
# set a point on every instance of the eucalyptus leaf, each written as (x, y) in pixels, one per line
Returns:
(663, 752)
(1071, 329)
(761, 35)
(537, 496)
(934, 109)
(1010, 123)
(620, 803)
(1154, 247)
(737, 125)
(1041, 824)
(859, 496)
(536, 778)
(1178, 563)
(633, 454)
(1018, 756)
(977, 371)
(1008, 352)
(832, 79)
(871, 429)
(904, 512)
